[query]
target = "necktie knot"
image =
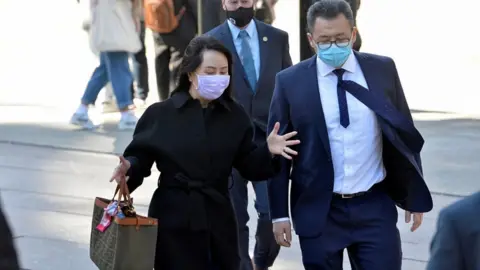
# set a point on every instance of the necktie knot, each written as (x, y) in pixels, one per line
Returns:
(339, 72)
(243, 34)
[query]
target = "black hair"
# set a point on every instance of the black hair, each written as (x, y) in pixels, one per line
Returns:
(328, 9)
(193, 58)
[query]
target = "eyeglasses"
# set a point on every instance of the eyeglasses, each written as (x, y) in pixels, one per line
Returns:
(340, 43)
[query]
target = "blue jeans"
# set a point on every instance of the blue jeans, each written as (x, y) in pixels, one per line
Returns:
(114, 68)
(266, 249)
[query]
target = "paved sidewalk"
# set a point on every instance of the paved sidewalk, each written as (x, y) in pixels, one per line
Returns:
(51, 173)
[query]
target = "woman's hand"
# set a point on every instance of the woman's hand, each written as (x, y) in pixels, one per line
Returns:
(119, 174)
(279, 144)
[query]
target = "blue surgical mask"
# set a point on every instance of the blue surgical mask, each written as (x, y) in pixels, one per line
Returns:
(334, 56)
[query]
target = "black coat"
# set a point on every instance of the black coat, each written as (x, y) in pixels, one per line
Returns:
(8, 255)
(195, 150)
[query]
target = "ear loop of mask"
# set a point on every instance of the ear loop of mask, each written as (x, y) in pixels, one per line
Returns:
(196, 86)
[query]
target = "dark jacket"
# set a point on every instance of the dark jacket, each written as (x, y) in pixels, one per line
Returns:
(296, 104)
(8, 255)
(187, 27)
(456, 244)
(195, 150)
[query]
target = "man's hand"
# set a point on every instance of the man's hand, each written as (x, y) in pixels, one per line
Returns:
(417, 219)
(283, 233)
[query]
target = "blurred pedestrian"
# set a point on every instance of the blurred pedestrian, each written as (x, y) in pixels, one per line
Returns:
(170, 42)
(260, 52)
(139, 87)
(109, 103)
(8, 255)
(112, 23)
(195, 138)
(456, 243)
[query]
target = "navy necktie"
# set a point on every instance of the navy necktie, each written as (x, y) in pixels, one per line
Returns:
(247, 60)
(382, 106)
(342, 99)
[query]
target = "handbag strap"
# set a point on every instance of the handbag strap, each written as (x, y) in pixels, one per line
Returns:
(122, 190)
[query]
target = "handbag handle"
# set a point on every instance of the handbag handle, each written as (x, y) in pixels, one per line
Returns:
(122, 190)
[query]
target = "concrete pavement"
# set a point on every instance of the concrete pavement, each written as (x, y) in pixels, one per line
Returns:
(51, 173)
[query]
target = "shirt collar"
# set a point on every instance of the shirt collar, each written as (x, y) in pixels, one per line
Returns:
(350, 65)
(180, 99)
(251, 29)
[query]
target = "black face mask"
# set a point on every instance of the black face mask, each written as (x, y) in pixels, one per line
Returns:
(240, 17)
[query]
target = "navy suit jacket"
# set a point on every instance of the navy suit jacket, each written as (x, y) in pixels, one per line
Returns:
(274, 57)
(456, 244)
(297, 106)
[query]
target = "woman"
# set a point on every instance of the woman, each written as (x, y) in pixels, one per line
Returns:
(195, 138)
(114, 68)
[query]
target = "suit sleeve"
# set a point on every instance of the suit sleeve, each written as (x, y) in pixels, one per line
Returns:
(445, 249)
(138, 152)
(286, 60)
(278, 185)
(402, 105)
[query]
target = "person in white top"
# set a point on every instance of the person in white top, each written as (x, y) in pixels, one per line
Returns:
(360, 151)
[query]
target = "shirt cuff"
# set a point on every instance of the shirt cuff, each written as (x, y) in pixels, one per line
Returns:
(280, 219)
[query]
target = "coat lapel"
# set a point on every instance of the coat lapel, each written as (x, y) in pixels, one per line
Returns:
(369, 72)
(374, 84)
(262, 33)
(313, 98)
(227, 40)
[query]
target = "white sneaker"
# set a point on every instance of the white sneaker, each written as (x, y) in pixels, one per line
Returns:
(139, 103)
(82, 120)
(109, 107)
(128, 121)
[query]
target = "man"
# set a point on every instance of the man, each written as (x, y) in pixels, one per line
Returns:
(456, 244)
(305, 49)
(359, 154)
(8, 255)
(260, 51)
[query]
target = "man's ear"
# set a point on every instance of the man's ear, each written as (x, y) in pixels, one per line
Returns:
(311, 42)
(354, 35)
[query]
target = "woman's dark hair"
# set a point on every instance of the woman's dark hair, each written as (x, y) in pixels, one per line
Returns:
(193, 58)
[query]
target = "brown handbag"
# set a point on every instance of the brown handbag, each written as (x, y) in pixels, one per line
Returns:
(128, 243)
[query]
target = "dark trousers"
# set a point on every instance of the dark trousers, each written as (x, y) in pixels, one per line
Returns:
(140, 68)
(8, 255)
(266, 249)
(167, 62)
(365, 226)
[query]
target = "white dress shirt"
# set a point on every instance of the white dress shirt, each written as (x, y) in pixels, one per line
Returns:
(357, 149)
(251, 30)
